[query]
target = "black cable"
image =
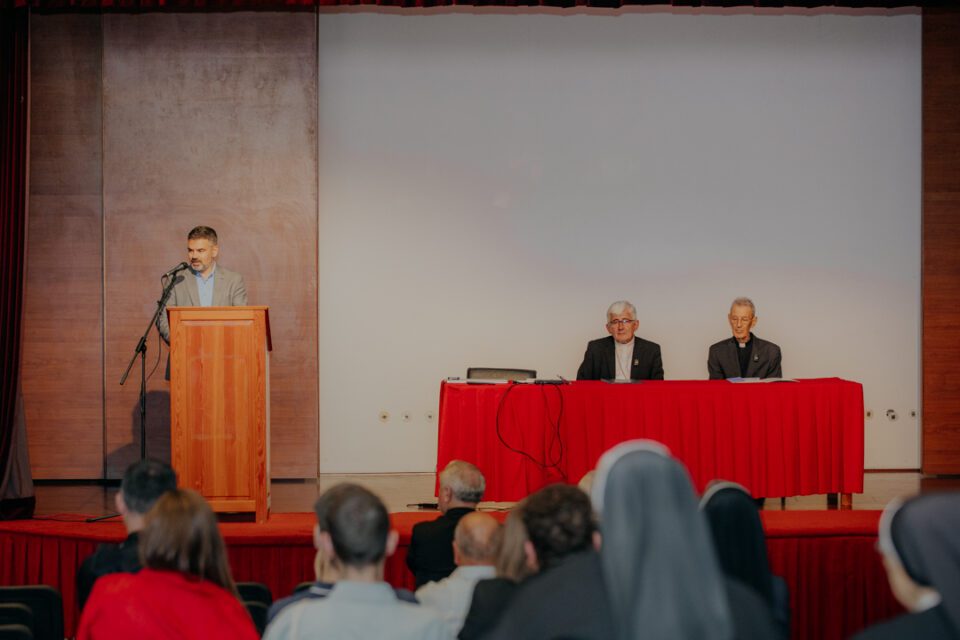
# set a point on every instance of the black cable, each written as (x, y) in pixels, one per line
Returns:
(547, 463)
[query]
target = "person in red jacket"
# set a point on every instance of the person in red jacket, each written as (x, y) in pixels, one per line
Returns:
(184, 590)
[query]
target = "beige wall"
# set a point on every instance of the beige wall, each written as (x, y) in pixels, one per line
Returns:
(207, 119)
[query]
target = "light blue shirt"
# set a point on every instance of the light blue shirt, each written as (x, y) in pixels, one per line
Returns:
(205, 287)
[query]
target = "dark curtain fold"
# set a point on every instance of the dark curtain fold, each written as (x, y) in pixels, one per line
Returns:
(301, 5)
(14, 105)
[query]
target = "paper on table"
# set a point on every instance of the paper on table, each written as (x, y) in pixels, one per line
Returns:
(755, 380)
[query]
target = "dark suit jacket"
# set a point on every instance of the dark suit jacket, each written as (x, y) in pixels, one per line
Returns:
(490, 599)
(108, 558)
(932, 624)
(430, 555)
(723, 362)
(599, 361)
(567, 600)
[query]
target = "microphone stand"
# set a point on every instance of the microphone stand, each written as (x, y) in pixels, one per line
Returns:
(141, 351)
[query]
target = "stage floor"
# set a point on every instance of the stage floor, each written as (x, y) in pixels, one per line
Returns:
(398, 490)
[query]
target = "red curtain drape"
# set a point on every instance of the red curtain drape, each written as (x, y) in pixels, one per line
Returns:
(14, 106)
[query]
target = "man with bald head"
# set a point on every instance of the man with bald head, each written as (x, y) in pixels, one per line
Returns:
(474, 552)
(430, 555)
(744, 355)
(622, 355)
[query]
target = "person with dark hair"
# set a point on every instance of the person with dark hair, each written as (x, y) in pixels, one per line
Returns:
(207, 284)
(184, 590)
(361, 604)
(920, 546)
(660, 571)
(142, 485)
(741, 545)
(326, 570)
(430, 555)
(565, 598)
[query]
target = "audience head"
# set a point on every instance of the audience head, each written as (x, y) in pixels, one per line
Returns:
(658, 561)
(475, 540)
(461, 485)
(559, 522)
(355, 527)
(622, 321)
(921, 552)
(181, 534)
(324, 567)
(512, 562)
(738, 537)
(143, 483)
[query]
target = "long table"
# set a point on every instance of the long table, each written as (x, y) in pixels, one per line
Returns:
(777, 439)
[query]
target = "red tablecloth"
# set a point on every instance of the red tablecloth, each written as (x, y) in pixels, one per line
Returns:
(777, 439)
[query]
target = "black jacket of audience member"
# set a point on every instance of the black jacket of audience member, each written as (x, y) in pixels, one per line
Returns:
(931, 624)
(430, 556)
(565, 601)
(108, 558)
(490, 599)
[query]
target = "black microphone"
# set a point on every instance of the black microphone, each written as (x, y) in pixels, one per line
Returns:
(177, 269)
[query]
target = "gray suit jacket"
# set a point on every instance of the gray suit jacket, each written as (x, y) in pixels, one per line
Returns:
(723, 362)
(228, 291)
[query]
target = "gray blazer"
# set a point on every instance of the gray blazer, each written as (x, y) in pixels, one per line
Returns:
(723, 362)
(228, 291)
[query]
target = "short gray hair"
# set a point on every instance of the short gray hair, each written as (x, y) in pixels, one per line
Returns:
(619, 307)
(464, 480)
(744, 302)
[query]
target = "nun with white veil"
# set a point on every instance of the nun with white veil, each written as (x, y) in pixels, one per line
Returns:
(920, 545)
(659, 566)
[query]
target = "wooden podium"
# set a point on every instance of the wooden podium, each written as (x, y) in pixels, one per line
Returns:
(220, 405)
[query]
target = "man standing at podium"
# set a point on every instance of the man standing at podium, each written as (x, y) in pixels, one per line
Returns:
(621, 355)
(744, 355)
(205, 284)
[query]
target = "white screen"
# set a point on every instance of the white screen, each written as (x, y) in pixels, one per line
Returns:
(488, 184)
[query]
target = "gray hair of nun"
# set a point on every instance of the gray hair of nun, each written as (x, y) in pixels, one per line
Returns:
(658, 560)
(619, 307)
(743, 301)
(465, 480)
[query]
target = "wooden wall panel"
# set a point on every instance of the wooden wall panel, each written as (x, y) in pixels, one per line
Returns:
(941, 241)
(211, 119)
(62, 344)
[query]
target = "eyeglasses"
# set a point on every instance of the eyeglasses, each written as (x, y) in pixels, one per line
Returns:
(621, 322)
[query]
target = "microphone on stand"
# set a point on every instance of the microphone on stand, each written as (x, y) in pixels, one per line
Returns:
(177, 269)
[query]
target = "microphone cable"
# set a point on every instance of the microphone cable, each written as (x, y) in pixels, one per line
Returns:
(556, 442)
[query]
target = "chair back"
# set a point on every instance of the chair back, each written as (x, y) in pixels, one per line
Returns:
(258, 611)
(255, 592)
(15, 632)
(45, 603)
(493, 373)
(16, 613)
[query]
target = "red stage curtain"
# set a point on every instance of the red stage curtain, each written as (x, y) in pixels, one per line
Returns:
(14, 111)
(837, 583)
(299, 5)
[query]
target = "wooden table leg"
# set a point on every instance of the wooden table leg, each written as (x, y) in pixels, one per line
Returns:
(846, 501)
